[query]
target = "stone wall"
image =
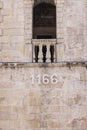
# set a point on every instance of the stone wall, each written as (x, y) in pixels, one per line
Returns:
(12, 27)
(16, 30)
(24, 106)
(73, 31)
(39, 106)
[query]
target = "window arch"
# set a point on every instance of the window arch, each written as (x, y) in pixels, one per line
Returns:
(44, 21)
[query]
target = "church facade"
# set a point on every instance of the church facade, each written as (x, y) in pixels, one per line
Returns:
(43, 65)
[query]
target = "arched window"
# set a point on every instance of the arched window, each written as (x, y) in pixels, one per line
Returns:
(44, 21)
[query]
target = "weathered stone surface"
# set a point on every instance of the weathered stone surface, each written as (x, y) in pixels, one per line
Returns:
(17, 19)
(28, 104)
(0, 5)
(1, 32)
(37, 106)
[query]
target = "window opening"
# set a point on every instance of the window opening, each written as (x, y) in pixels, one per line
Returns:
(44, 21)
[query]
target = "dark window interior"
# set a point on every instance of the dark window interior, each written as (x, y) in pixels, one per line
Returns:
(44, 21)
(44, 37)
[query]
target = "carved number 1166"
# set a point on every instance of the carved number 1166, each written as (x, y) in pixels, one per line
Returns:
(44, 79)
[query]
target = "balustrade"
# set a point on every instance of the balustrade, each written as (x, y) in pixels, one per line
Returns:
(44, 50)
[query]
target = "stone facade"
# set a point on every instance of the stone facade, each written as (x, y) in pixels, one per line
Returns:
(28, 100)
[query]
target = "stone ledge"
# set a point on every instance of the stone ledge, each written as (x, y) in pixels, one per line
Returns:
(43, 41)
(58, 64)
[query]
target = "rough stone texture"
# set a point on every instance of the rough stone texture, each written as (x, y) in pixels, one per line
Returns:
(24, 106)
(16, 23)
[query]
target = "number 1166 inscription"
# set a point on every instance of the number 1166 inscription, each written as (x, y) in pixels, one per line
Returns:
(44, 79)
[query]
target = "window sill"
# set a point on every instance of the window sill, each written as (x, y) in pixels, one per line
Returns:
(41, 41)
(28, 64)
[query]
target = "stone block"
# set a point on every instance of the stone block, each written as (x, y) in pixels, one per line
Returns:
(1, 18)
(1, 5)
(5, 39)
(27, 106)
(1, 32)
(4, 124)
(13, 32)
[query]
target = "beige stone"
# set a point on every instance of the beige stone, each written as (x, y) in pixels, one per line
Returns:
(30, 97)
(1, 18)
(1, 32)
(0, 5)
